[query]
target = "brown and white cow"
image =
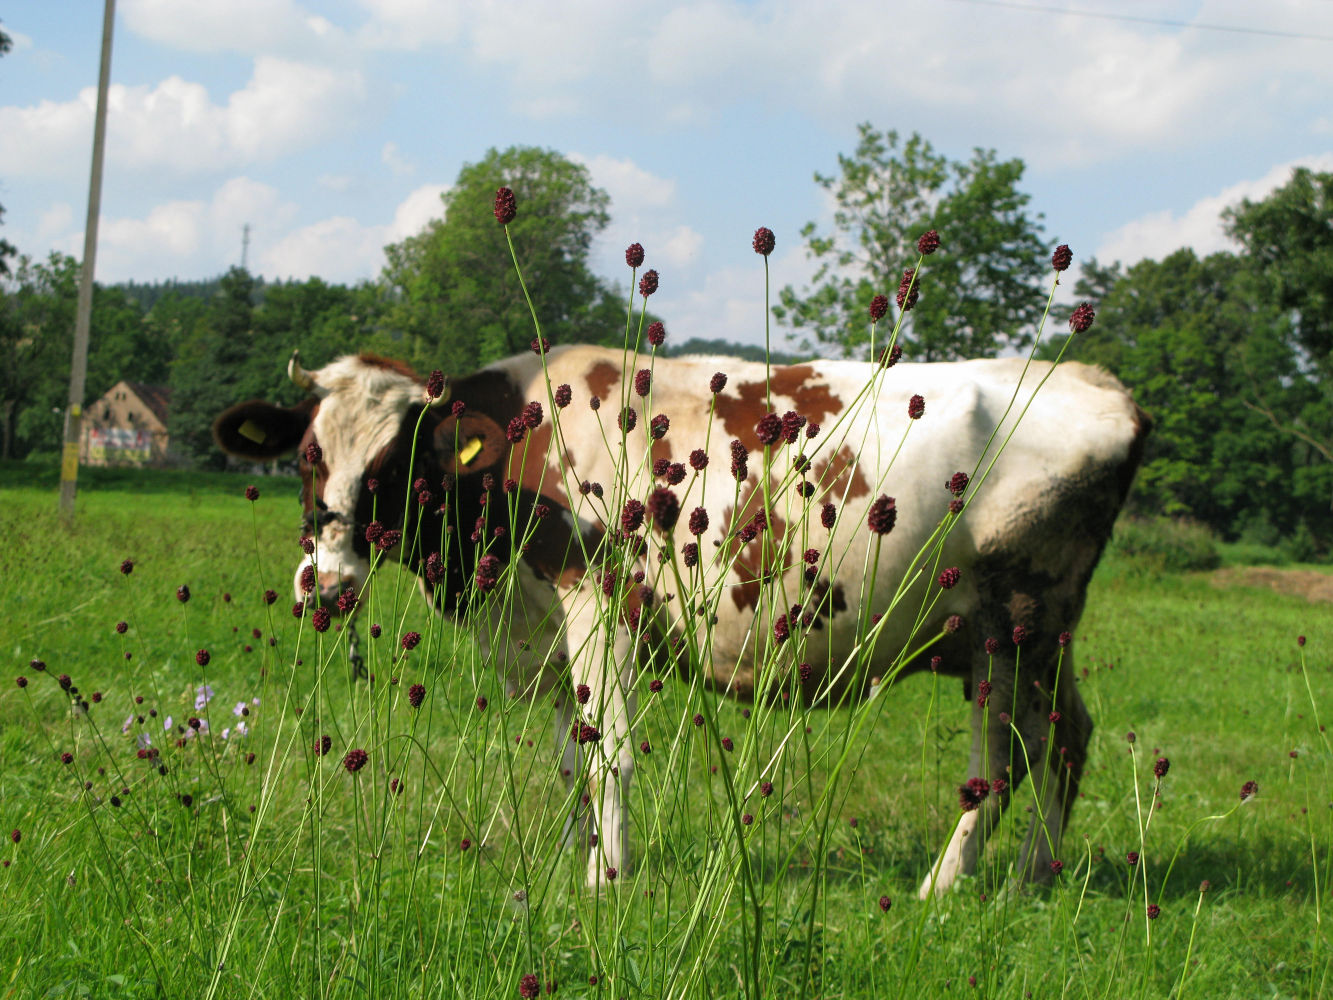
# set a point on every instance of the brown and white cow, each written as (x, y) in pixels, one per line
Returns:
(554, 593)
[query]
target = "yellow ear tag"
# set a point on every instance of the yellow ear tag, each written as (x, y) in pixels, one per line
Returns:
(252, 431)
(470, 451)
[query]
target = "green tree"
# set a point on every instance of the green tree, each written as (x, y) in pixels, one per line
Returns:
(36, 331)
(452, 289)
(7, 249)
(1198, 346)
(1288, 240)
(217, 363)
(982, 290)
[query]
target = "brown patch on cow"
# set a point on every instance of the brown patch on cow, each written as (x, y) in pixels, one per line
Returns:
(660, 449)
(389, 364)
(530, 465)
(741, 410)
(601, 378)
(764, 558)
(840, 476)
(813, 399)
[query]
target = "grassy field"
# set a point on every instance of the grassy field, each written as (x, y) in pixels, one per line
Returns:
(216, 862)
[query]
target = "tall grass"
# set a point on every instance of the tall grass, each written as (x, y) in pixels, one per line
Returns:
(258, 821)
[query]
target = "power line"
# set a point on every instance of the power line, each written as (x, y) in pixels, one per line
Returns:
(1102, 15)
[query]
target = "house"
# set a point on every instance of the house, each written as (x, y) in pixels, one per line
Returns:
(127, 426)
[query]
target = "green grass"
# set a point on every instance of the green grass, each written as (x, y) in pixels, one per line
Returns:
(336, 886)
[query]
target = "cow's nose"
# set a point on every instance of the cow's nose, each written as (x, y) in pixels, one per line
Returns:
(332, 586)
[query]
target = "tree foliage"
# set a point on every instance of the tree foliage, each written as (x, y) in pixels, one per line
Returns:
(456, 297)
(1201, 348)
(981, 292)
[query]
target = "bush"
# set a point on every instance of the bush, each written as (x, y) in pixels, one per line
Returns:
(1165, 544)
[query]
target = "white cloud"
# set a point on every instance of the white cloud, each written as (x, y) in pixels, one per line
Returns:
(285, 106)
(1069, 89)
(1158, 234)
(392, 157)
(341, 249)
(246, 26)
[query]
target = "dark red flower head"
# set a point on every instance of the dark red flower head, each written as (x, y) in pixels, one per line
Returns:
(656, 334)
(252, 493)
(1154, 911)
(908, 290)
(634, 254)
(1081, 318)
(972, 794)
(689, 554)
(1160, 767)
(953, 623)
(1020, 633)
(828, 515)
(879, 306)
(202, 657)
(1249, 789)
(506, 206)
(127, 567)
(435, 384)
(323, 745)
(631, 516)
(949, 578)
(410, 640)
(532, 415)
(1062, 258)
(890, 356)
(698, 521)
(957, 484)
(529, 986)
(321, 619)
(563, 395)
(355, 760)
(885, 903)
(416, 694)
(648, 283)
(643, 381)
(314, 454)
(992, 645)
(916, 407)
(539, 345)
(882, 515)
(628, 419)
(928, 243)
(740, 455)
(488, 572)
(347, 600)
(457, 408)
(764, 241)
(769, 429)
(1064, 638)
(183, 593)
(664, 506)
(715, 385)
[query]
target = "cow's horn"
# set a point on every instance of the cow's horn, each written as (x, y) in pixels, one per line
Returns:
(298, 374)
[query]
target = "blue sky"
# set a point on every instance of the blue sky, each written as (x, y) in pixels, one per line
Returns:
(331, 128)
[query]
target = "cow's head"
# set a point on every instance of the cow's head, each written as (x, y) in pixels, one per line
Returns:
(362, 412)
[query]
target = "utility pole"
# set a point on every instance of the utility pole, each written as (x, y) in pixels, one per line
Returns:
(78, 372)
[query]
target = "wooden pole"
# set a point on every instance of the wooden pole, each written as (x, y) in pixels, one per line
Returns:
(78, 372)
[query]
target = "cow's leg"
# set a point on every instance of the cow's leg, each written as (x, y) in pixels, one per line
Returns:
(1056, 780)
(571, 763)
(600, 657)
(989, 762)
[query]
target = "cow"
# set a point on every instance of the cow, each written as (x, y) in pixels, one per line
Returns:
(819, 528)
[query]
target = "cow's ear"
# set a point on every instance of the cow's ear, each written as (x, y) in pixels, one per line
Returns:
(260, 431)
(469, 444)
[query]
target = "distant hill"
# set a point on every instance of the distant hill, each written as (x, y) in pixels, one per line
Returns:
(726, 348)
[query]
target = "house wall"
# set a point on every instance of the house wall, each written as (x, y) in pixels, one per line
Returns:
(120, 429)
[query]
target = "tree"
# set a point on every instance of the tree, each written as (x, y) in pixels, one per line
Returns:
(453, 291)
(980, 292)
(1199, 346)
(7, 249)
(1289, 239)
